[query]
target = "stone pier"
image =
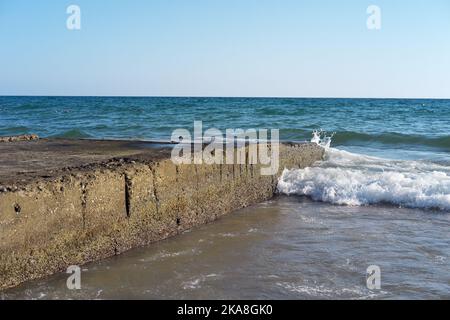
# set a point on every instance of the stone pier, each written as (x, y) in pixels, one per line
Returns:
(69, 202)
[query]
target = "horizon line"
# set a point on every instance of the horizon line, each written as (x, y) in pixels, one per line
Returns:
(221, 97)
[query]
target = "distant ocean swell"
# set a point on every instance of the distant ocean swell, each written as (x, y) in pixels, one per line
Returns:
(411, 125)
(385, 138)
(73, 134)
(441, 142)
(346, 178)
(346, 138)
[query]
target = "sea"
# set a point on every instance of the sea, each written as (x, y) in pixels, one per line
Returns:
(379, 200)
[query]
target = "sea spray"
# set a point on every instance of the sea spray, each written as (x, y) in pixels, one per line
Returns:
(321, 138)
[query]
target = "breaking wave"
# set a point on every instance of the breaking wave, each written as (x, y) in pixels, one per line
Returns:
(347, 178)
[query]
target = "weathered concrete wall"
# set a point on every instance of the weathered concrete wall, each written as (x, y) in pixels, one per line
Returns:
(77, 216)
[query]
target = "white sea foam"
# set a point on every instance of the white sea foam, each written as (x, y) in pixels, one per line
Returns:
(320, 137)
(353, 179)
(324, 292)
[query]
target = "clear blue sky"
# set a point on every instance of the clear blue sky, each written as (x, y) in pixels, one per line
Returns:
(303, 48)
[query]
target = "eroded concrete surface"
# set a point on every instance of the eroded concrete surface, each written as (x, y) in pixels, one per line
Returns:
(21, 162)
(65, 202)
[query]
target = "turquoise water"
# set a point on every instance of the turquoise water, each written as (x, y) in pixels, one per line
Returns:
(381, 196)
(371, 124)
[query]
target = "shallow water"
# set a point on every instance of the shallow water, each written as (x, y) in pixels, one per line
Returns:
(286, 248)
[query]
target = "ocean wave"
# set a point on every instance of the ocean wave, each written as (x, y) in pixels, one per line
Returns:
(392, 138)
(15, 130)
(389, 139)
(346, 178)
(73, 134)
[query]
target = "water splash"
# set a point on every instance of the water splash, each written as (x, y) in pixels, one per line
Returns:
(321, 138)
